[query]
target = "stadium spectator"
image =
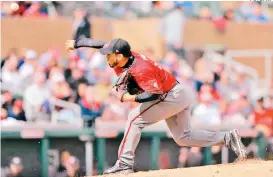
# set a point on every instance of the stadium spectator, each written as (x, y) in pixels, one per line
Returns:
(80, 92)
(224, 87)
(4, 114)
(40, 91)
(229, 15)
(72, 60)
(187, 6)
(143, 7)
(231, 11)
(207, 111)
(205, 13)
(17, 112)
(190, 157)
(19, 8)
(202, 74)
(81, 25)
(185, 75)
(262, 118)
(245, 9)
(208, 88)
(77, 76)
(15, 168)
(268, 102)
(62, 91)
(243, 104)
(64, 157)
(13, 52)
(257, 15)
(29, 67)
(97, 68)
(171, 62)
(49, 59)
(217, 66)
(172, 27)
(220, 24)
(240, 82)
(233, 113)
(91, 107)
(10, 74)
(6, 99)
(5, 9)
(34, 10)
(60, 88)
(73, 169)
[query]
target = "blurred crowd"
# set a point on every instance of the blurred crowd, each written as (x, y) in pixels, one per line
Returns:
(83, 78)
(250, 11)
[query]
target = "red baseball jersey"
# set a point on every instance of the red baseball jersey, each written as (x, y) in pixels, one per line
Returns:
(149, 75)
(264, 118)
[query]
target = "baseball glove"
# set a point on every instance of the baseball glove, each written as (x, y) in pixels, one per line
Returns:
(126, 83)
(132, 86)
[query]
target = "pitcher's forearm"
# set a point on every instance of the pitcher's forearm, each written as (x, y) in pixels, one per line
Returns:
(87, 42)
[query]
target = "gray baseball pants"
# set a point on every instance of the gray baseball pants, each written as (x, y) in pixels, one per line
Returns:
(175, 109)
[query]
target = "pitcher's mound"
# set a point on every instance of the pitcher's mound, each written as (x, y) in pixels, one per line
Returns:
(248, 168)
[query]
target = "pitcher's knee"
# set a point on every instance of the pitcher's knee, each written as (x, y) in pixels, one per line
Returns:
(132, 115)
(136, 120)
(182, 140)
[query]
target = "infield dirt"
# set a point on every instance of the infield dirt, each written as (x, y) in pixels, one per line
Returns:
(248, 168)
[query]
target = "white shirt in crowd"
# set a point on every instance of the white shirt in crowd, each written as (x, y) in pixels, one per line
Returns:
(26, 70)
(9, 77)
(208, 114)
(172, 27)
(34, 97)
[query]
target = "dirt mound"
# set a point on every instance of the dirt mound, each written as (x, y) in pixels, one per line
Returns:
(248, 168)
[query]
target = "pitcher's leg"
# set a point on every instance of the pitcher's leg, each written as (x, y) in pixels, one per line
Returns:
(131, 138)
(143, 115)
(183, 135)
(132, 133)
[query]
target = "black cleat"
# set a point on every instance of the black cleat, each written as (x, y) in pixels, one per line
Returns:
(119, 168)
(233, 141)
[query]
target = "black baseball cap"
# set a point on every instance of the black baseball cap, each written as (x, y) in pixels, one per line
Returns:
(116, 46)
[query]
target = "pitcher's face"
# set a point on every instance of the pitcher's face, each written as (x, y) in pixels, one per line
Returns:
(112, 60)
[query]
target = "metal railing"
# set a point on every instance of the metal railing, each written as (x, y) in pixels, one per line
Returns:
(257, 82)
(67, 105)
(267, 54)
(53, 103)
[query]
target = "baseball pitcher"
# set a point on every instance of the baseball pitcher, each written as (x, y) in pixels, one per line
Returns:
(160, 96)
